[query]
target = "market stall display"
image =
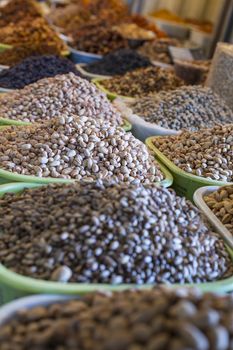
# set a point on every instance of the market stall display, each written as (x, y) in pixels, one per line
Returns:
(86, 205)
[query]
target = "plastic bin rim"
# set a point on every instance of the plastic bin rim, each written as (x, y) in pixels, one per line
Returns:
(88, 54)
(171, 166)
(81, 69)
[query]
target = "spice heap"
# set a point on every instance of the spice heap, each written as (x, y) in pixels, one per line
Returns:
(221, 203)
(143, 22)
(118, 62)
(207, 153)
(15, 55)
(157, 50)
(33, 33)
(52, 97)
(17, 10)
(69, 17)
(189, 107)
(73, 147)
(109, 233)
(159, 318)
(101, 41)
(134, 32)
(33, 69)
(142, 82)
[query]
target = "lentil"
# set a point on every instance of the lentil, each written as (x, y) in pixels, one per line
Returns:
(77, 147)
(106, 232)
(118, 62)
(50, 97)
(33, 69)
(160, 318)
(142, 82)
(189, 107)
(207, 153)
(221, 203)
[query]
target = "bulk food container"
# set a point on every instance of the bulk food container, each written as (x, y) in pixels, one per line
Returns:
(185, 184)
(198, 199)
(13, 285)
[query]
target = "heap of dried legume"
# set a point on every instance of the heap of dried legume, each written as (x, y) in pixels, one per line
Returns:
(207, 153)
(189, 107)
(142, 82)
(73, 147)
(221, 203)
(52, 97)
(109, 233)
(155, 319)
(35, 68)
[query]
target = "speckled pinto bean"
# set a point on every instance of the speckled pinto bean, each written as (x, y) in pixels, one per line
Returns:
(107, 232)
(52, 97)
(71, 147)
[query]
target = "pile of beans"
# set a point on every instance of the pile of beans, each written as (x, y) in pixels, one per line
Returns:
(101, 41)
(71, 147)
(189, 107)
(33, 69)
(106, 232)
(157, 50)
(221, 203)
(35, 32)
(17, 10)
(155, 319)
(52, 97)
(118, 62)
(207, 153)
(142, 82)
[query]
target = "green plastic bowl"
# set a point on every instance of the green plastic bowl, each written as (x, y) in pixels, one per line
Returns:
(111, 96)
(185, 184)
(13, 285)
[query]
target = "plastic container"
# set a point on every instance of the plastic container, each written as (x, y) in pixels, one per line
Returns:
(141, 129)
(211, 217)
(185, 184)
(83, 57)
(8, 311)
(13, 285)
(110, 94)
